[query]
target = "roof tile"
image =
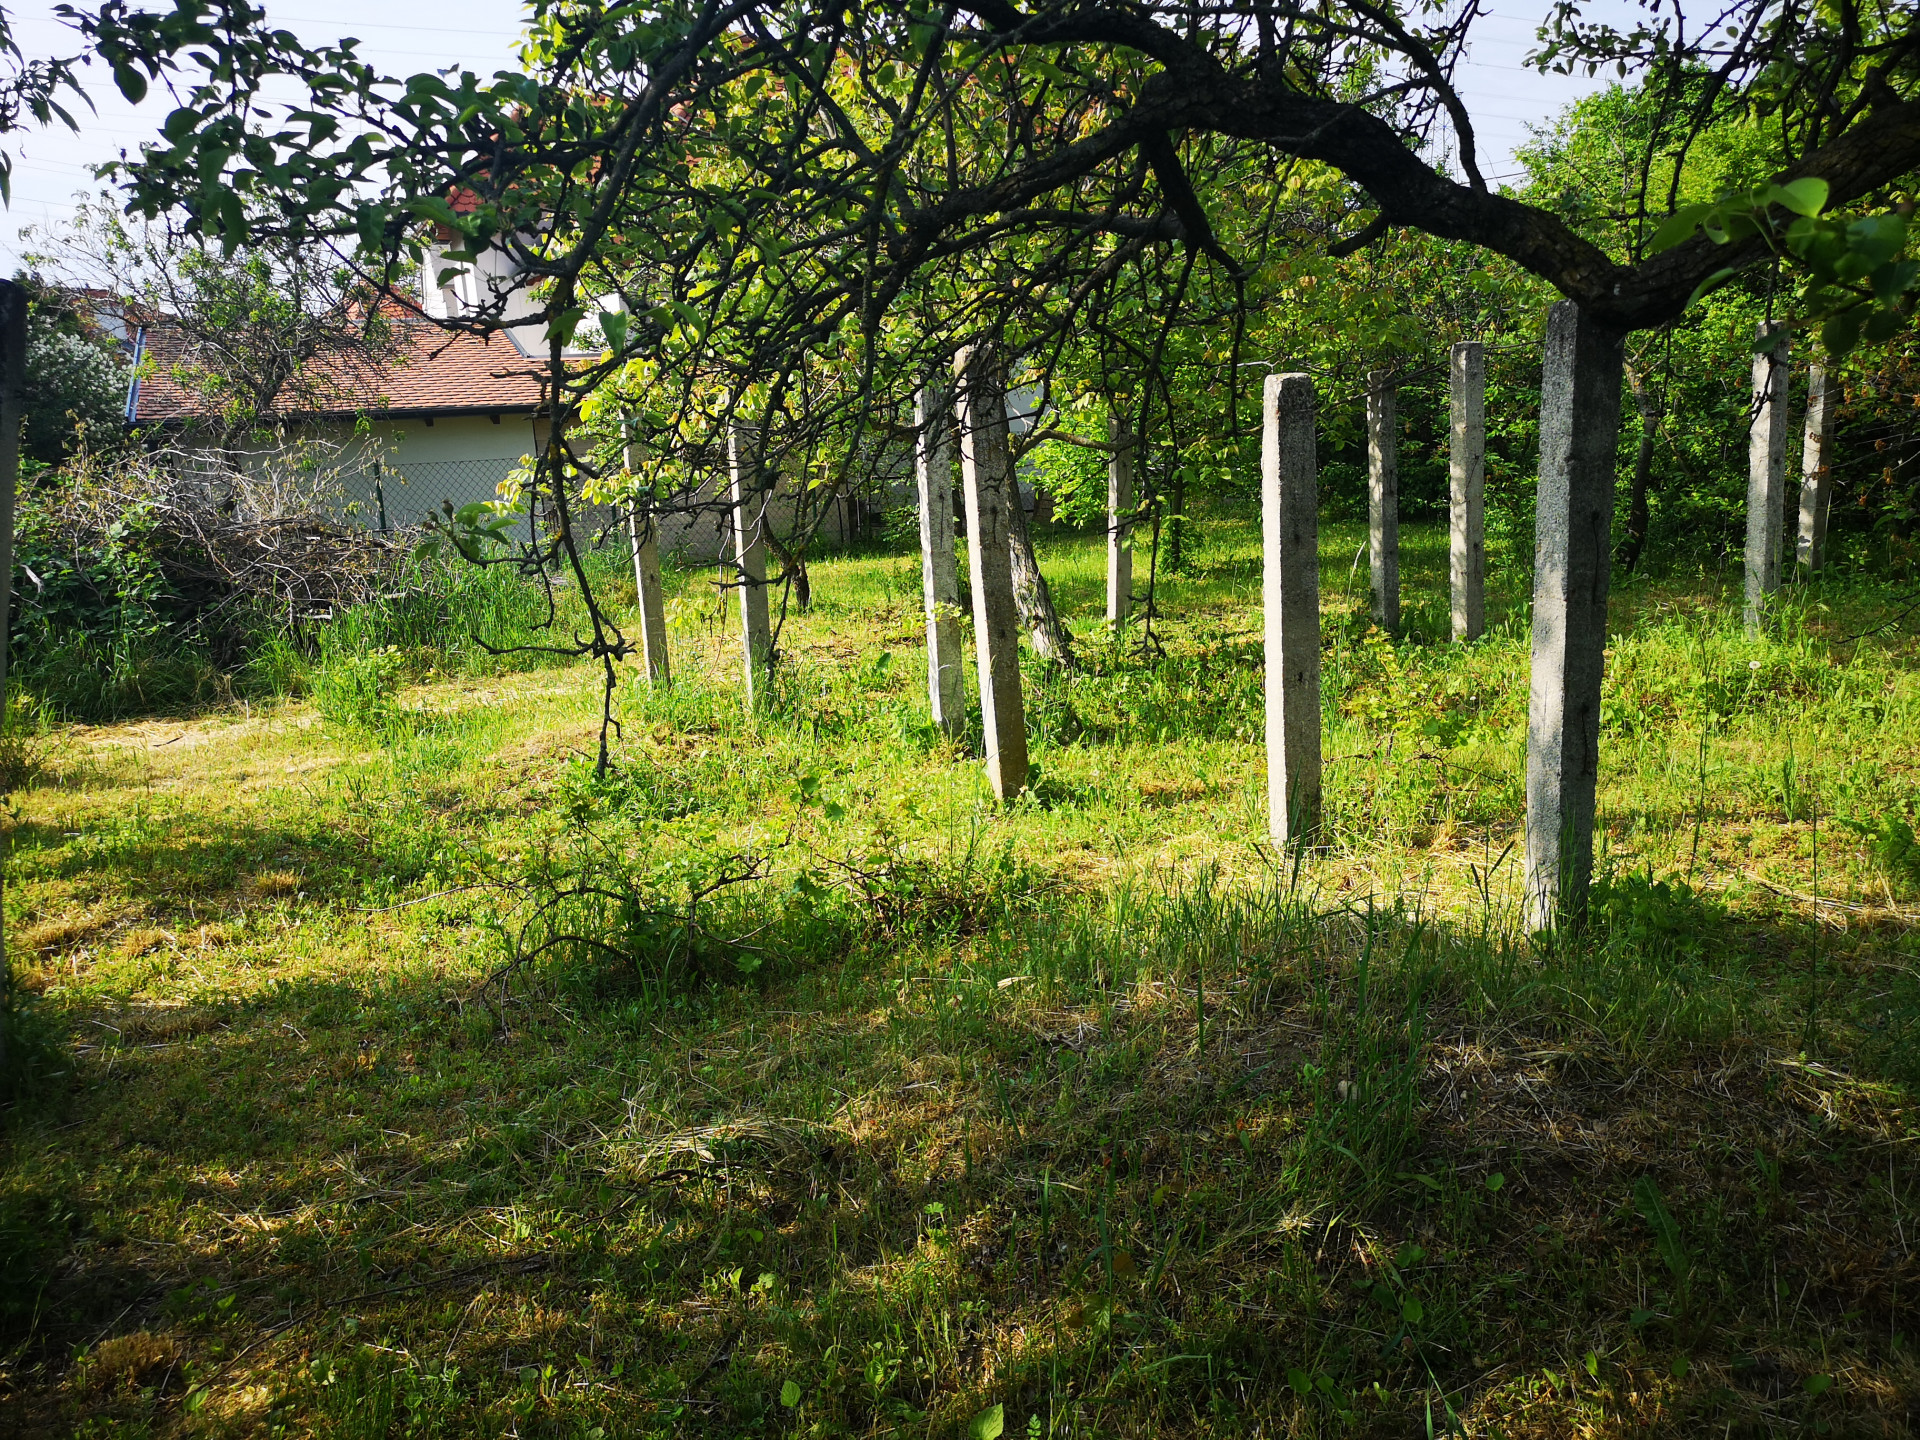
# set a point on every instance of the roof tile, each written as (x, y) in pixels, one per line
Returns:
(436, 372)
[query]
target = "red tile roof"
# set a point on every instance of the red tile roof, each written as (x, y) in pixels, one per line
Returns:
(436, 372)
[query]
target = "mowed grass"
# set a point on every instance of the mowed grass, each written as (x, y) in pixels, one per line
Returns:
(418, 1082)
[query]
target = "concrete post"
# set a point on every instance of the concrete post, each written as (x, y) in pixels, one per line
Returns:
(750, 565)
(1383, 498)
(1119, 526)
(1579, 439)
(1816, 467)
(939, 572)
(13, 368)
(1290, 528)
(650, 598)
(986, 470)
(1766, 473)
(1467, 476)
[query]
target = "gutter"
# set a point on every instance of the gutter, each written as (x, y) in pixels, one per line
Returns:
(133, 386)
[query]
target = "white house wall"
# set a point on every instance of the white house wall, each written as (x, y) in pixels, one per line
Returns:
(458, 458)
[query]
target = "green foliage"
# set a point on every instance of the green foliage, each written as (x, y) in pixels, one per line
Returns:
(359, 688)
(1857, 284)
(100, 632)
(1666, 1231)
(35, 1229)
(35, 1050)
(75, 391)
(1657, 919)
(1893, 845)
(364, 1395)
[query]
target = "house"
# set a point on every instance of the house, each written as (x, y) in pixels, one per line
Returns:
(453, 414)
(445, 421)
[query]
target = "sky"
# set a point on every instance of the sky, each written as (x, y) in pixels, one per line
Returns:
(404, 36)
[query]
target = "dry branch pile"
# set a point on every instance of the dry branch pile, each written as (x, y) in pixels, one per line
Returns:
(227, 536)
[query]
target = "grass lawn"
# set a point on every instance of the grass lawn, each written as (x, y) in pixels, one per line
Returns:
(411, 1080)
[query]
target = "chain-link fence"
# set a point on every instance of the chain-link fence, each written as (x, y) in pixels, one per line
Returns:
(392, 494)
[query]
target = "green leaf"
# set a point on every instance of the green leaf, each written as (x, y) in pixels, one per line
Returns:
(1876, 240)
(1412, 1311)
(132, 83)
(1710, 284)
(1883, 325)
(1681, 1365)
(1301, 1382)
(1677, 227)
(1805, 196)
(433, 207)
(613, 324)
(1817, 1385)
(1841, 332)
(567, 321)
(1894, 279)
(1496, 1180)
(1666, 1233)
(789, 1394)
(989, 1424)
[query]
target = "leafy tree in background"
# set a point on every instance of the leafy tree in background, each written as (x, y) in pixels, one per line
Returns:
(76, 379)
(258, 334)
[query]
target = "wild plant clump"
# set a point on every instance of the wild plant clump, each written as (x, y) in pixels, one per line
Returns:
(149, 581)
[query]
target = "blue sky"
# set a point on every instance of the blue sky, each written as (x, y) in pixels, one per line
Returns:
(409, 35)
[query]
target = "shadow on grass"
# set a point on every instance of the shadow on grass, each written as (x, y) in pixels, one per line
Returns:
(1162, 1164)
(165, 860)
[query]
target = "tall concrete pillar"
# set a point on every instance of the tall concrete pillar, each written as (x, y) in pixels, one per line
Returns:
(1290, 532)
(986, 470)
(1383, 498)
(13, 369)
(1766, 473)
(750, 565)
(1816, 467)
(1119, 525)
(1579, 439)
(1467, 484)
(939, 571)
(650, 597)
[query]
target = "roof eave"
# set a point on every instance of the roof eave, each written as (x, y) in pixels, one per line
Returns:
(518, 409)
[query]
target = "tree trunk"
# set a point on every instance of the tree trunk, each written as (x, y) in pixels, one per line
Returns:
(1635, 541)
(793, 566)
(1176, 518)
(13, 361)
(1030, 590)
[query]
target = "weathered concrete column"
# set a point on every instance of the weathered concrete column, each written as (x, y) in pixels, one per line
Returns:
(1579, 438)
(1119, 524)
(1290, 529)
(650, 598)
(939, 571)
(986, 470)
(1467, 484)
(1766, 472)
(13, 369)
(1816, 467)
(750, 565)
(1383, 498)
